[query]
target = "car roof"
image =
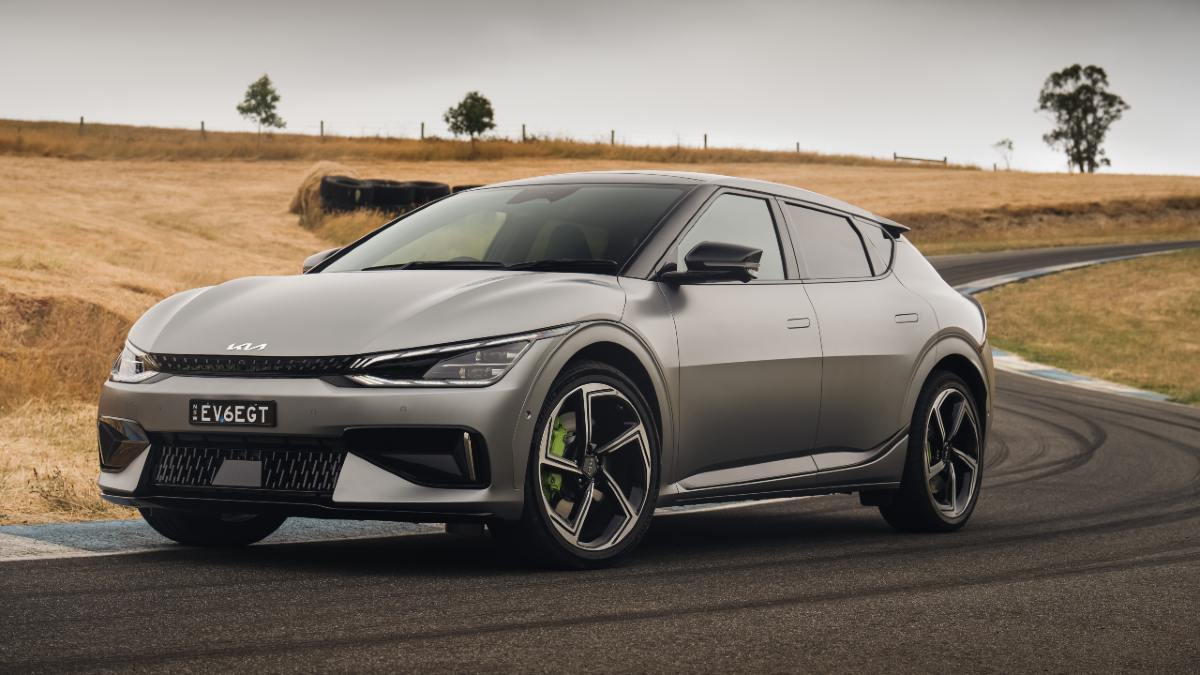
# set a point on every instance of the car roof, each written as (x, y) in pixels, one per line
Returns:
(696, 178)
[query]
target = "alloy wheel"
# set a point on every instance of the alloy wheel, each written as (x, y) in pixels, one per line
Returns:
(594, 467)
(952, 445)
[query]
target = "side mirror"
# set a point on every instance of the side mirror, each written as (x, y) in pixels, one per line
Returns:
(316, 259)
(716, 261)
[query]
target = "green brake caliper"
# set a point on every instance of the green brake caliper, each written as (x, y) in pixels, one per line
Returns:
(552, 480)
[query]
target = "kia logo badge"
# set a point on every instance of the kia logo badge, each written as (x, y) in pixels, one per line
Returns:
(246, 347)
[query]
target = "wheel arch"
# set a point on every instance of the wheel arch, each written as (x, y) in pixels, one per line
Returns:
(608, 343)
(954, 354)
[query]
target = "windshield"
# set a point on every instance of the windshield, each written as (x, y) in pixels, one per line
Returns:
(541, 227)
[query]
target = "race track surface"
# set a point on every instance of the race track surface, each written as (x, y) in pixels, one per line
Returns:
(1084, 554)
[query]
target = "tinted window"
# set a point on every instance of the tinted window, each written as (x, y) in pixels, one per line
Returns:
(734, 219)
(829, 245)
(517, 224)
(879, 245)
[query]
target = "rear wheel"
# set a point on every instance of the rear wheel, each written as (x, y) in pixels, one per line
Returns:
(592, 478)
(192, 528)
(944, 466)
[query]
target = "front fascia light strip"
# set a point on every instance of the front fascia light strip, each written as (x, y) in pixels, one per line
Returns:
(454, 349)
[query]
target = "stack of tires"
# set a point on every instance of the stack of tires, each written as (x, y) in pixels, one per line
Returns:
(342, 193)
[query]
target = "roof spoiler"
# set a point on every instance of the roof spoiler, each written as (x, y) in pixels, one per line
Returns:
(892, 227)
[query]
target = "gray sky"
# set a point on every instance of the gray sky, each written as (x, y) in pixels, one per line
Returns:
(927, 77)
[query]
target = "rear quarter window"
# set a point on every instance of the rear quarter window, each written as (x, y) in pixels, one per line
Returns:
(880, 245)
(829, 245)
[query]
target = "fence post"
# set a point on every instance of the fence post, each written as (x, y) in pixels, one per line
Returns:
(612, 136)
(81, 125)
(522, 132)
(422, 131)
(797, 147)
(203, 133)
(894, 158)
(322, 130)
(705, 141)
(946, 161)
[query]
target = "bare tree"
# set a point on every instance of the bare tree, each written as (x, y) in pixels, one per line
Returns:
(1004, 146)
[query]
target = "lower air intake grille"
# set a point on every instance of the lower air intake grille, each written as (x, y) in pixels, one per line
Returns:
(309, 470)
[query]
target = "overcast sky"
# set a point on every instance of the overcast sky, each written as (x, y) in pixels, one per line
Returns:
(928, 77)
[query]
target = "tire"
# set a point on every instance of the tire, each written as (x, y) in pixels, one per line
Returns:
(391, 195)
(192, 528)
(425, 191)
(606, 498)
(933, 499)
(343, 193)
(459, 188)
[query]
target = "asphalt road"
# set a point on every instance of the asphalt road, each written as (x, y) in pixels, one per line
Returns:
(1083, 555)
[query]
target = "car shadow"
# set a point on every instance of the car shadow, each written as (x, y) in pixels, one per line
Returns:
(811, 527)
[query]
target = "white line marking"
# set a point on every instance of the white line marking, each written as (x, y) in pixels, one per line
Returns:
(13, 547)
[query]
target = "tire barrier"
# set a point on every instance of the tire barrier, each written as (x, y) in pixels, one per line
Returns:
(427, 191)
(392, 195)
(343, 193)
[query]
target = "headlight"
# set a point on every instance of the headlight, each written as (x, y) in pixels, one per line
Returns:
(470, 364)
(132, 365)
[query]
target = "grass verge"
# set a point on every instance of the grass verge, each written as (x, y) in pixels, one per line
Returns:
(1136, 322)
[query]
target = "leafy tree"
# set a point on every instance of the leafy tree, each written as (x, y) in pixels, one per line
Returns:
(259, 105)
(1083, 110)
(1004, 146)
(472, 116)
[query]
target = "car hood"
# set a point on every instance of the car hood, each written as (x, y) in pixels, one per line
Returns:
(361, 312)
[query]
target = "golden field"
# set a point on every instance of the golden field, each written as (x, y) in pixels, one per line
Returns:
(115, 141)
(1135, 321)
(90, 244)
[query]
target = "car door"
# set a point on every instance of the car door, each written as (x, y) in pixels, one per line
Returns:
(873, 330)
(749, 355)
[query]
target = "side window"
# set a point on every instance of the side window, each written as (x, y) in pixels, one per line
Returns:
(830, 246)
(879, 245)
(735, 219)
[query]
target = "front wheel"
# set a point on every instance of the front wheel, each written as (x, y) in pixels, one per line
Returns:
(192, 528)
(592, 478)
(944, 467)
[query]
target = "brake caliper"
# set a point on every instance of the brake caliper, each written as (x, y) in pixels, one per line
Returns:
(552, 481)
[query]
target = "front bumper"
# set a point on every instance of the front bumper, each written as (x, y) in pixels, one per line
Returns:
(315, 409)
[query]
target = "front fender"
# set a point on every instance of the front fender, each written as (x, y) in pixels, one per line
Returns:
(569, 347)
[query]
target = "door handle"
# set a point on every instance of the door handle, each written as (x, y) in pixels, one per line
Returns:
(801, 322)
(907, 318)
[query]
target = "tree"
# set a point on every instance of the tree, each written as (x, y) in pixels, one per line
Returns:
(259, 105)
(1004, 146)
(1083, 110)
(472, 116)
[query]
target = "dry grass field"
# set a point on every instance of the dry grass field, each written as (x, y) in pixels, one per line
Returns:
(90, 244)
(113, 141)
(1135, 321)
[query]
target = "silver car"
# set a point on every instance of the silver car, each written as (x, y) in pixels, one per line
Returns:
(556, 358)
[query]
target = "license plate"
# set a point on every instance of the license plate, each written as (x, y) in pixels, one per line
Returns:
(233, 413)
